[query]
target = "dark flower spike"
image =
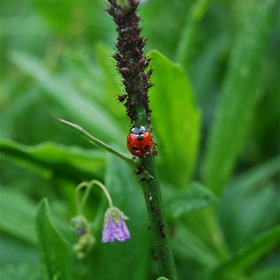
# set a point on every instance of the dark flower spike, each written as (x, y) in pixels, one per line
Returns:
(131, 61)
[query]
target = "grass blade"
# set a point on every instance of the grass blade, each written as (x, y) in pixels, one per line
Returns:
(240, 95)
(54, 250)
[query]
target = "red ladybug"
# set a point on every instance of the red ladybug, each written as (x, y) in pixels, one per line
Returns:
(139, 141)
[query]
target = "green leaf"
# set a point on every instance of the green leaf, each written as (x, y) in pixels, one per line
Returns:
(255, 195)
(193, 198)
(17, 250)
(272, 272)
(208, 66)
(21, 271)
(54, 250)
(188, 244)
(86, 74)
(112, 82)
(176, 120)
(237, 105)
(101, 82)
(247, 255)
(17, 215)
(49, 158)
(189, 34)
(57, 90)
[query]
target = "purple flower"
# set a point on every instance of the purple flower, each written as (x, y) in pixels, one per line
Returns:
(114, 226)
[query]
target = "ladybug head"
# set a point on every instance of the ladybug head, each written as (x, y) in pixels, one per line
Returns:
(138, 130)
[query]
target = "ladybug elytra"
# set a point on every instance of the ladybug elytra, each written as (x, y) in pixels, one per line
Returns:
(139, 141)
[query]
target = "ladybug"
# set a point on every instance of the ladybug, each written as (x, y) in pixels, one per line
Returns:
(139, 141)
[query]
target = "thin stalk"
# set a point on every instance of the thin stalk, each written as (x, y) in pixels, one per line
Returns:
(98, 142)
(100, 185)
(88, 186)
(122, 2)
(79, 204)
(158, 224)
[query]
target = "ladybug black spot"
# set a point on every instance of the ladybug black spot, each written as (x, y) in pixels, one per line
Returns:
(135, 148)
(140, 137)
(146, 147)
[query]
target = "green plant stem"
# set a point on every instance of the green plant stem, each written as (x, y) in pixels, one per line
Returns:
(122, 2)
(100, 185)
(88, 186)
(79, 204)
(158, 225)
(97, 142)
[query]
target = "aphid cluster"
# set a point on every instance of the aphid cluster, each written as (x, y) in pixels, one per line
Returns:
(131, 61)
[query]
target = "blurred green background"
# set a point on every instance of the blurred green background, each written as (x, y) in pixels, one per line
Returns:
(215, 118)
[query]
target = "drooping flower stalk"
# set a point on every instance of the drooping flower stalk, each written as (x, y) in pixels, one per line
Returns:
(81, 225)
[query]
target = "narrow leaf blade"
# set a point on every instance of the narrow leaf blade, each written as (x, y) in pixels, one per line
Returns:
(48, 157)
(193, 198)
(54, 250)
(240, 95)
(189, 34)
(21, 271)
(247, 255)
(176, 120)
(15, 208)
(57, 90)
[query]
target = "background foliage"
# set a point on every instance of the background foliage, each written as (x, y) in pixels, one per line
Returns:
(215, 117)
